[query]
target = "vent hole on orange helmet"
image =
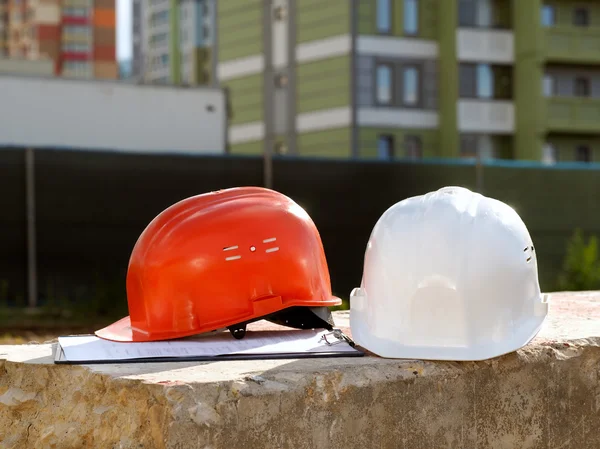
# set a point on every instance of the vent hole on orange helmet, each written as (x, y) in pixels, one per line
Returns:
(270, 240)
(233, 258)
(253, 248)
(272, 250)
(230, 248)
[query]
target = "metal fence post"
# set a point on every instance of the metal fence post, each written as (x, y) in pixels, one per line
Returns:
(31, 228)
(268, 93)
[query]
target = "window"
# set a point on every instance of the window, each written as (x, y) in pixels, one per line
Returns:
(582, 87)
(549, 154)
(159, 39)
(485, 83)
(472, 145)
(581, 17)
(466, 13)
(205, 32)
(467, 80)
(76, 68)
(583, 154)
(486, 147)
(70, 11)
(548, 16)
(80, 30)
(384, 16)
(76, 47)
(413, 147)
(548, 86)
(384, 84)
(385, 147)
(411, 17)
(483, 16)
(159, 18)
(410, 86)
(468, 146)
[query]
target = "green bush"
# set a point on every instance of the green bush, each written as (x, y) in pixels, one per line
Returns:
(581, 266)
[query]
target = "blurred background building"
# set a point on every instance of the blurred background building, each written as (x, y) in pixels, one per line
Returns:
(78, 36)
(152, 41)
(413, 78)
(384, 79)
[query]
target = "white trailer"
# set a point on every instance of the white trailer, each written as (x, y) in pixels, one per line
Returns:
(64, 113)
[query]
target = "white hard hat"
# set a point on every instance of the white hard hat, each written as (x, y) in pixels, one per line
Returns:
(450, 275)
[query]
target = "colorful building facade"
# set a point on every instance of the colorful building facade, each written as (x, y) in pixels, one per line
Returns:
(79, 36)
(155, 23)
(395, 79)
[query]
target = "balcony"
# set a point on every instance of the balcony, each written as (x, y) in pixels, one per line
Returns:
(486, 116)
(573, 115)
(573, 45)
(477, 45)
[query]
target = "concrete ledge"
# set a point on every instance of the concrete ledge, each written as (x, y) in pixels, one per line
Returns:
(546, 395)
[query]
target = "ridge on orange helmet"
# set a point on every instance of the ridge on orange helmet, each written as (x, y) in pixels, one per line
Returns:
(222, 260)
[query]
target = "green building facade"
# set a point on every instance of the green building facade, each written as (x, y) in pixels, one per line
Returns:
(393, 79)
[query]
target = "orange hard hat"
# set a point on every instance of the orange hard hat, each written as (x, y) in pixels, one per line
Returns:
(224, 259)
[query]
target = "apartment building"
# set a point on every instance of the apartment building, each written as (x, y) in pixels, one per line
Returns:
(393, 79)
(153, 41)
(77, 35)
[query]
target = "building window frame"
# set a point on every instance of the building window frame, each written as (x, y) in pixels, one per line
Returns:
(384, 22)
(473, 14)
(484, 75)
(413, 147)
(476, 89)
(411, 28)
(549, 154)
(468, 146)
(549, 85)
(404, 70)
(385, 142)
(581, 16)
(583, 153)
(473, 146)
(550, 9)
(385, 65)
(582, 87)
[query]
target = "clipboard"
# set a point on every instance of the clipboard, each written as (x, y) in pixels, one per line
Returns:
(258, 345)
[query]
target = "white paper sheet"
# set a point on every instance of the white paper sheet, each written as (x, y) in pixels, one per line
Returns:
(92, 348)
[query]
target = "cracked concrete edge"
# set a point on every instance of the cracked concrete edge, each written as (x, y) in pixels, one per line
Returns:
(84, 404)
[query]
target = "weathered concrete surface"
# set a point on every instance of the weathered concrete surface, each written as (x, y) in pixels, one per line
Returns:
(546, 395)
